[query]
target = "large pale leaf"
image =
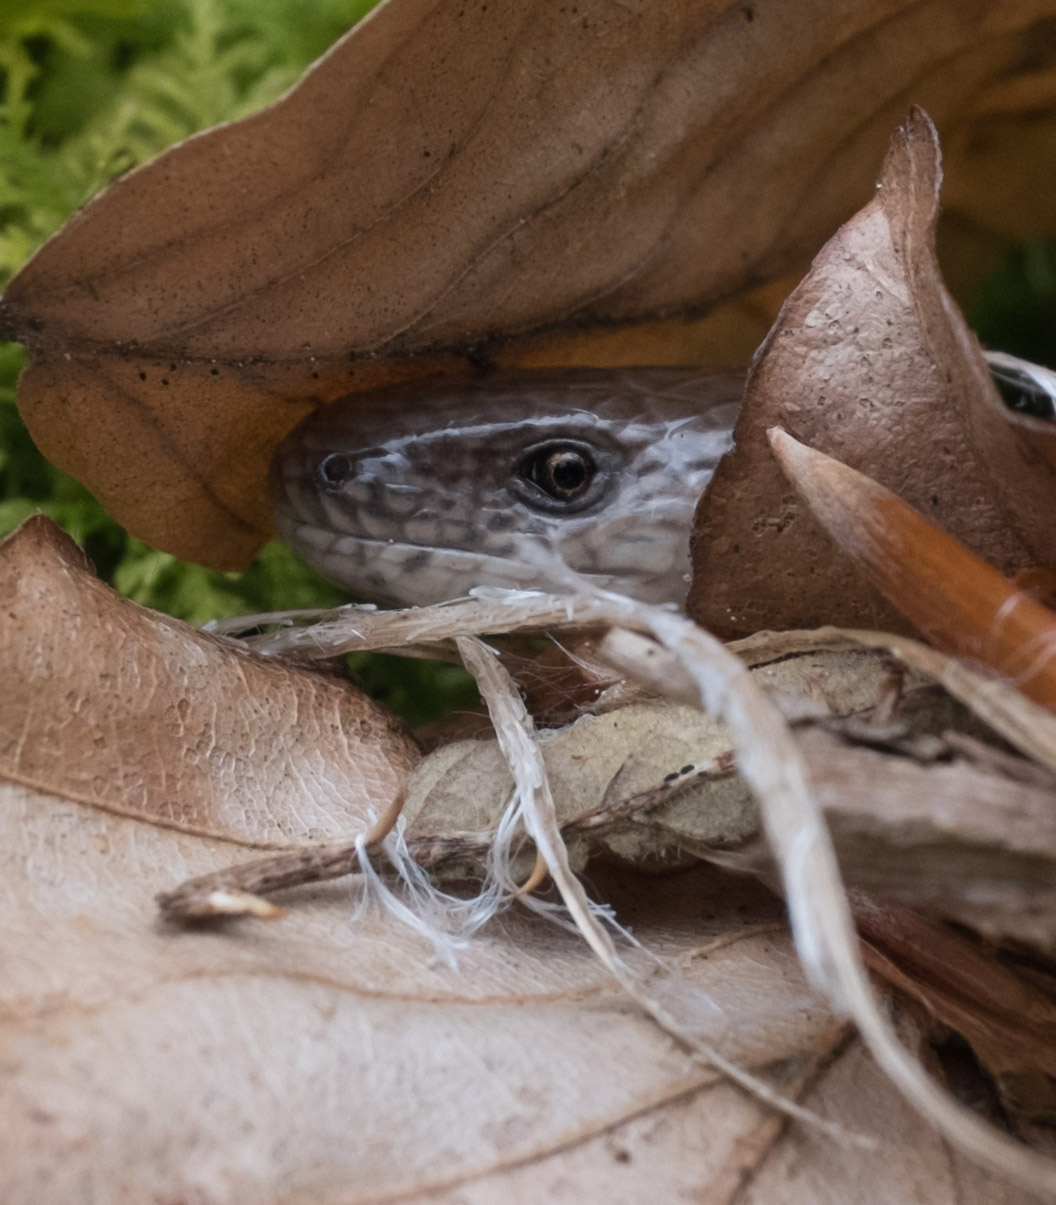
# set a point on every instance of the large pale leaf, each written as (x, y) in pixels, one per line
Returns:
(318, 1061)
(448, 177)
(328, 1057)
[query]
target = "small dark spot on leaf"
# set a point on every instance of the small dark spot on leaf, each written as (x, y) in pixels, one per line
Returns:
(165, 380)
(214, 372)
(142, 376)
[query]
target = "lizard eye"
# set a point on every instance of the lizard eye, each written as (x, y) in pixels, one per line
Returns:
(558, 476)
(334, 470)
(562, 473)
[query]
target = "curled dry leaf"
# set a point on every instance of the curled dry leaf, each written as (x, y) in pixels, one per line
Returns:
(451, 176)
(870, 362)
(127, 711)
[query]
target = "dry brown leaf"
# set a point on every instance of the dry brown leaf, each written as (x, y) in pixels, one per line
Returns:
(125, 710)
(450, 176)
(315, 1060)
(907, 1166)
(869, 362)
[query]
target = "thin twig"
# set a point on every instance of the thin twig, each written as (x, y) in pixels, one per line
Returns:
(237, 890)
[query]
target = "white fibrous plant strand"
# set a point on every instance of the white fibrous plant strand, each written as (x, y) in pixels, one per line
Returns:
(445, 921)
(769, 761)
(535, 808)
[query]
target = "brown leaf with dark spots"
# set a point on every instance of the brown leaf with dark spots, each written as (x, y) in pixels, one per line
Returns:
(869, 362)
(118, 708)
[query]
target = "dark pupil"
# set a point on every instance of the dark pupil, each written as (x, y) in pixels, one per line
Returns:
(569, 472)
(564, 473)
(335, 469)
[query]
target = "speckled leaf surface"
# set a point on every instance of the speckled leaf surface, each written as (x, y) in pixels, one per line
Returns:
(127, 711)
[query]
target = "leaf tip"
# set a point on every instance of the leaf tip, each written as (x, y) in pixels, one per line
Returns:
(795, 458)
(914, 154)
(39, 540)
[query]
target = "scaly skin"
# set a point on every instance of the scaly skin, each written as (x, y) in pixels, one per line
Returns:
(427, 496)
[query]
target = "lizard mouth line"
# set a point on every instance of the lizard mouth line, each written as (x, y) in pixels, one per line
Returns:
(360, 562)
